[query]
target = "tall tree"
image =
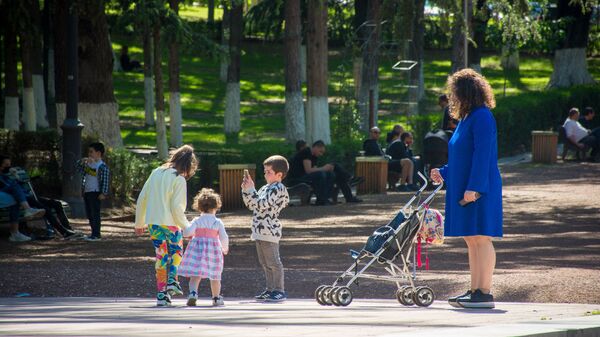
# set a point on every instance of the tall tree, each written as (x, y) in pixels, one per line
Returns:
(232, 93)
(417, 78)
(37, 61)
(317, 111)
(461, 27)
(11, 85)
(211, 11)
(294, 104)
(479, 22)
(49, 69)
(98, 109)
(26, 44)
(570, 63)
(175, 126)
(225, 37)
(161, 130)
(360, 20)
(148, 80)
(368, 92)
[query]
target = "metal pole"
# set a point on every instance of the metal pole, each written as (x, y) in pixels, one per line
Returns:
(466, 41)
(371, 109)
(72, 126)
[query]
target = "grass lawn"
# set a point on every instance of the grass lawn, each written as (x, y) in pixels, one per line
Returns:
(262, 92)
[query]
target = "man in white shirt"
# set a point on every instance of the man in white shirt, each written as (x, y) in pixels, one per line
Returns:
(581, 136)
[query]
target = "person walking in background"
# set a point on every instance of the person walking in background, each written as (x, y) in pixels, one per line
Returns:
(448, 122)
(161, 209)
(473, 183)
(95, 182)
(203, 257)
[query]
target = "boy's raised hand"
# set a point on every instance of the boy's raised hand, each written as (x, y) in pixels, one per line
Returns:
(247, 183)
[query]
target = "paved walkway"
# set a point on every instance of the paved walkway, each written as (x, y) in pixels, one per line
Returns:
(296, 317)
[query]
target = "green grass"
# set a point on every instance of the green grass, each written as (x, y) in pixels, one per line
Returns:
(196, 13)
(263, 92)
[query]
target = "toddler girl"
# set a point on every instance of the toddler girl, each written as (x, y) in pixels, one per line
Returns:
(203, 257)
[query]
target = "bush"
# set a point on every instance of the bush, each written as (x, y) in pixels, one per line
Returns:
(128, 174)
(517, 116)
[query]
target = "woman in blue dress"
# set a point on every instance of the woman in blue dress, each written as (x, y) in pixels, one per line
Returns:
(472, 176)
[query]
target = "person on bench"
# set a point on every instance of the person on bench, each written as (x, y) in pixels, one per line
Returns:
(373, 149)
(10, 186)
(587, 120)
(60, 222)
(581, 136)
(397, 128)
(7, 201)
(304, 169)
(408, 140)
(397, 151)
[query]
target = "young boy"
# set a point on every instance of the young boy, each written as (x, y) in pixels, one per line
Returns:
(94, 183)
(266, 203)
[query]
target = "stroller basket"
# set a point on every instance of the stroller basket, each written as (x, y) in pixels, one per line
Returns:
(386, 245)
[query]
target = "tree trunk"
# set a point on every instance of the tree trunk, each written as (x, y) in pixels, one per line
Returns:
(418, 44)
(29, 115)
(225, 32)
(570, 63)
(37, 70)
(479, 23)
(98, 109)
(48, 70)
(317, 112)
(302, 61)
(510, 58)
(161, 130)
(369, 86)
(211, 11)
(148, 80)
(60, 57)
(11, 84)
(360, 17)
(294, 104)
(458, 37)
(175, 126)
(232, 95)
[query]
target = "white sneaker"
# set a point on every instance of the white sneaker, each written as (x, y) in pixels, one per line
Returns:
(218, 301)
(31, 213)
(19, 237)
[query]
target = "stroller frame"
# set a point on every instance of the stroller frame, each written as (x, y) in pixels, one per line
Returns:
(339, 292)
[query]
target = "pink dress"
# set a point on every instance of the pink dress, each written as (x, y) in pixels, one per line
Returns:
(203, 255)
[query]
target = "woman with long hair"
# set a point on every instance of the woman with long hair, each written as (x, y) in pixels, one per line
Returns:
(473, 182)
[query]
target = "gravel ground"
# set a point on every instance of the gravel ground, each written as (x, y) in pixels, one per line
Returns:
(550, 251)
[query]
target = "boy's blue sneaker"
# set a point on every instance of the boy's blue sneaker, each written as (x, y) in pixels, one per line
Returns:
(277, 296)
(163, 299)
(263, 296)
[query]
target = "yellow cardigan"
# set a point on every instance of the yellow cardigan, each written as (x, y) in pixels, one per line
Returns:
(163, 200)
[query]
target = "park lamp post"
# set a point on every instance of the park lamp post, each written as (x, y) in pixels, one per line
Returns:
(71, 149)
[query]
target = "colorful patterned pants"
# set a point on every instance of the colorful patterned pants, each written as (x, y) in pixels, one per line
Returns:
(168, 243)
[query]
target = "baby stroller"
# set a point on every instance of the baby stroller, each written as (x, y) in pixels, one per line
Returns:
(387, 243)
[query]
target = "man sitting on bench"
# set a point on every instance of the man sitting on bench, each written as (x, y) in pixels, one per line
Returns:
(304, 169)
(581, 136)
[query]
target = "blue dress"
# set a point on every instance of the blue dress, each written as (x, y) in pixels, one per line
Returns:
(473, 165)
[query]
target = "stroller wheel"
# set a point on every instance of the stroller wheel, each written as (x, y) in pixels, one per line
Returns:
(318, 293)
(404, 295)
(326, 295)
(423, 296)
(342, 296)
(333, 296)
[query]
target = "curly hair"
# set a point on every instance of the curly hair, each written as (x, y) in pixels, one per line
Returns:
(467, 90)
(207, 200)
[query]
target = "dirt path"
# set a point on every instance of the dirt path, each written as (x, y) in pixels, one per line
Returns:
(550, 252)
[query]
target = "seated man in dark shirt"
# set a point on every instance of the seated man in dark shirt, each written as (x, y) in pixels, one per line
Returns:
(397, 151)
(371, 145)
(397, 128)
(587, 119)
(303, 168)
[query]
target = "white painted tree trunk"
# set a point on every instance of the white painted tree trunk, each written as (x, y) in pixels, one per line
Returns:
(303, 63)
(149, 100)
(317, 120)
(294, 116)
(11, 113)
(421, 82)
(357, 75)
(232, 108)
(570, 68)
(29, 109)
(100, 121)
(176, 119)
(161, 135)
(509, 60)
(223, 69)
(40, 101)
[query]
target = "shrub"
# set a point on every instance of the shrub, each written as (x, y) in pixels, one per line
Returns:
(128, 174)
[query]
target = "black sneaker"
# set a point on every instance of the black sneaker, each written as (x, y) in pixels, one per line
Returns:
(477, 300)
(263, 296)
(163, 299)
(452, 300)
(354, 200)
(277, 296)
